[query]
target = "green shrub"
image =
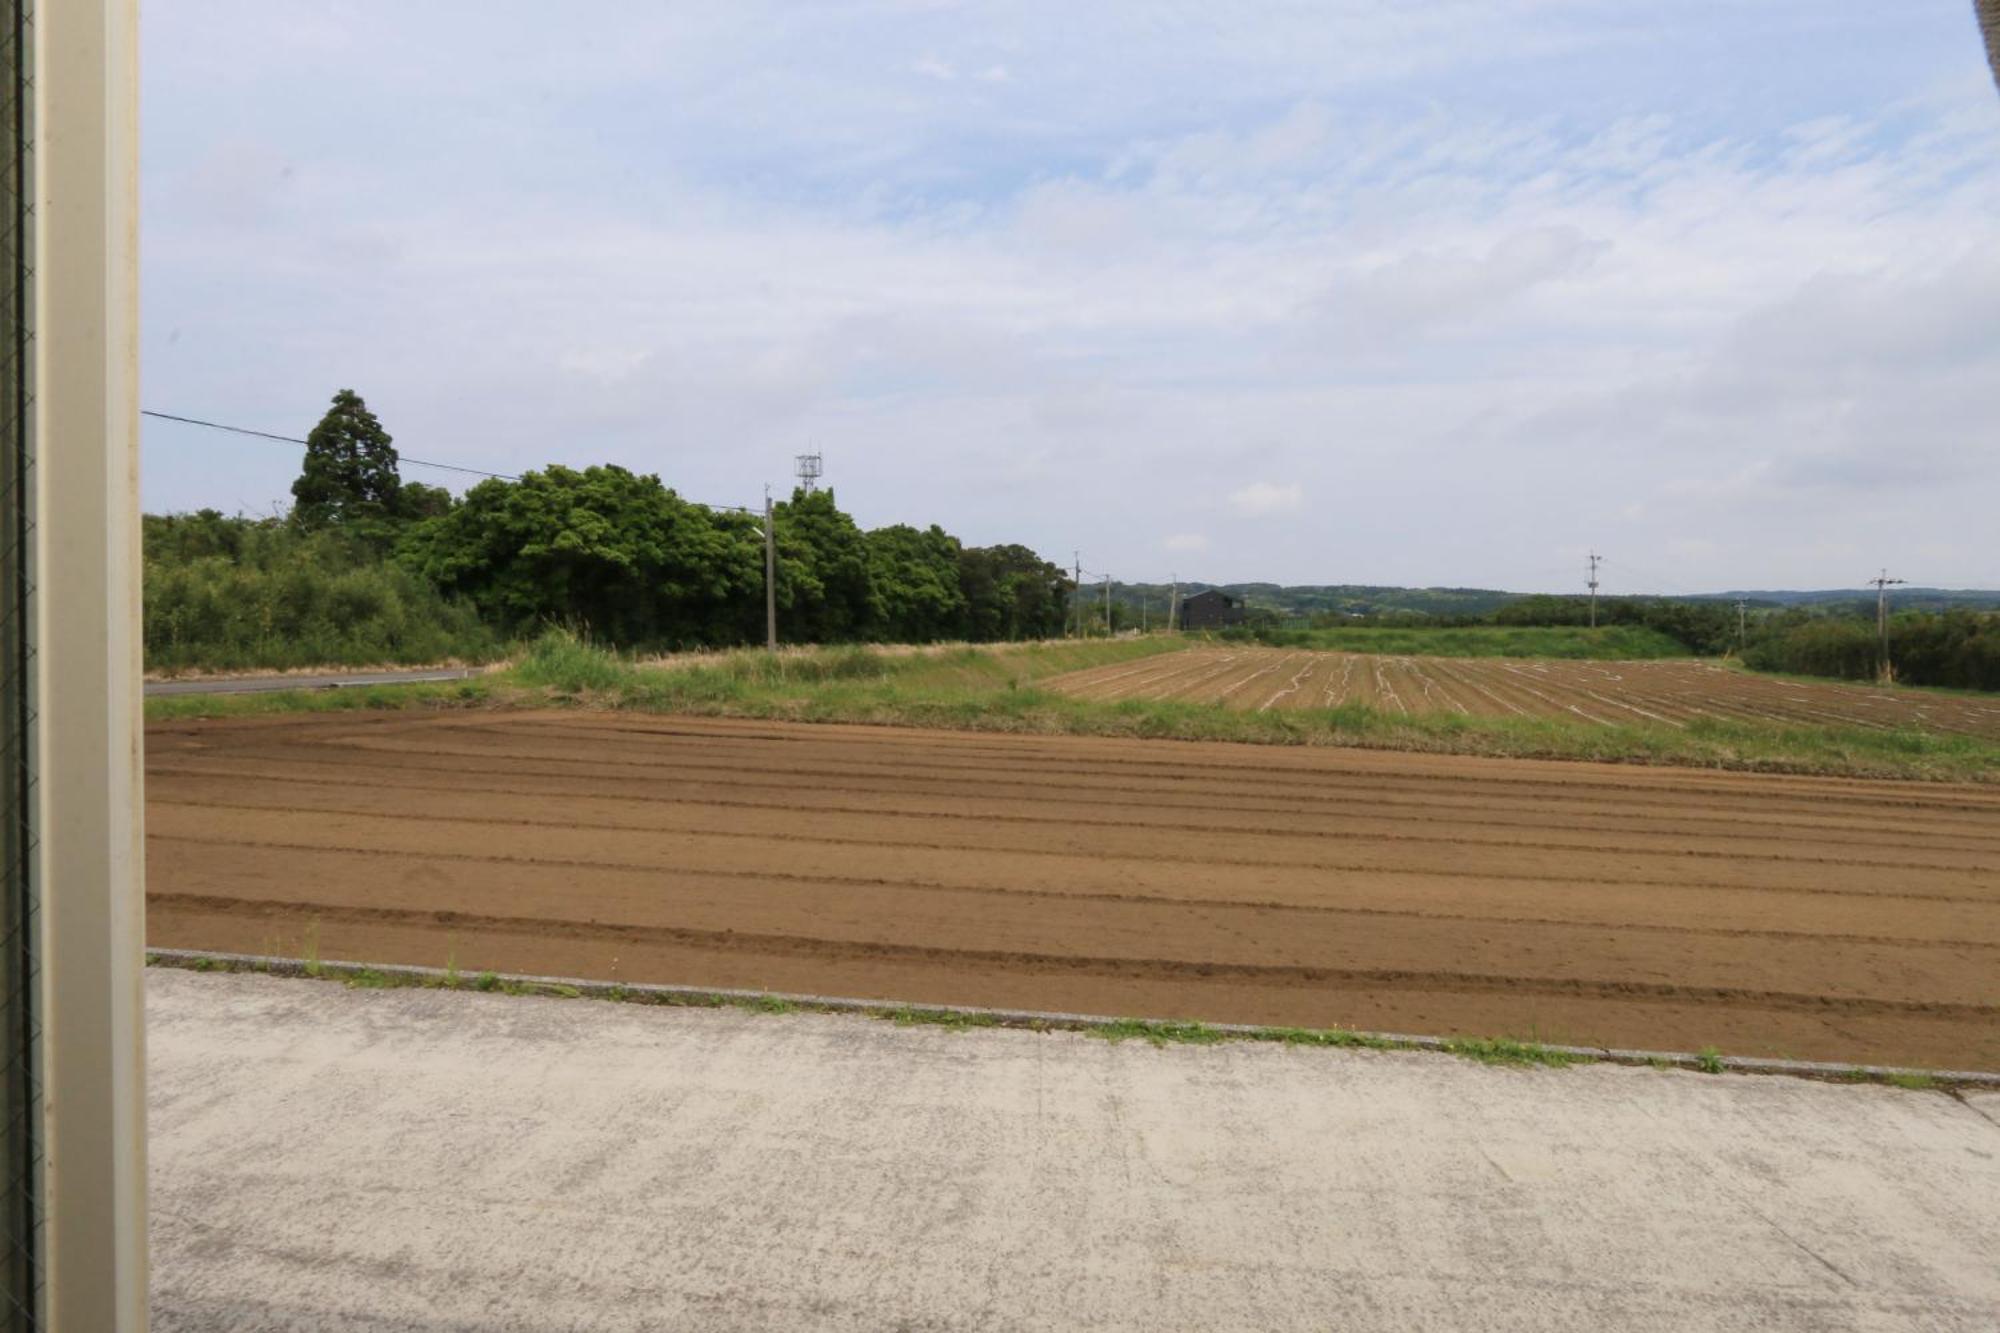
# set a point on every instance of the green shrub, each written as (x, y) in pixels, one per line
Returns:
(565, 660)
(1958, 649)
(227, 594)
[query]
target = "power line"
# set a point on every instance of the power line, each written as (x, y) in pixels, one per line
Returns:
(293, 439)
(400, 457)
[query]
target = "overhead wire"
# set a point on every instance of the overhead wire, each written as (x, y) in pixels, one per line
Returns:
(400, 456)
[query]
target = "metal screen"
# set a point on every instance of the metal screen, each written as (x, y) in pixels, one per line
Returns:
(20, 1135)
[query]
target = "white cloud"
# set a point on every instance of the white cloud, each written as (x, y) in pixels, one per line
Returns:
(1186, 541)
(1263, 497)
(1661, 279)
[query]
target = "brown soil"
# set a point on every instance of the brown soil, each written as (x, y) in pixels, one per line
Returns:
(1812, 918)
(1668, 693)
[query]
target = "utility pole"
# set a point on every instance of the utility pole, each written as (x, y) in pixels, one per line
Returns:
(1107, 606)
(1882, 584)
(1742, 624)
(1595, 561)
(1076, 588)
(1173, 601)
(770, 578)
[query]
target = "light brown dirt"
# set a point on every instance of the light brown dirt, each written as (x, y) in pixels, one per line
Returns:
(1668, 693)
(1812, 918)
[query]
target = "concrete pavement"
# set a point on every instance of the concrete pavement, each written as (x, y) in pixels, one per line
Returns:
(336, 1159)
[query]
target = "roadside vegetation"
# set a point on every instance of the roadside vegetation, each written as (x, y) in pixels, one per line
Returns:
(997, 688)
(231, 594)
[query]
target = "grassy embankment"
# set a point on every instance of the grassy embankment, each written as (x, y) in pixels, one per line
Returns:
(1606, 643)
(998, 689)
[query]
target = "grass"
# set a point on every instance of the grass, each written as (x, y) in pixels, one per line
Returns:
(1155, 1032)
(1605, 643)
(1508, 1051)
(477, 692)
(906, 1016)
(1708, 1060)
(999, 688)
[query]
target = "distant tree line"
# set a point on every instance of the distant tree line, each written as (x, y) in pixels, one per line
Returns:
(368, 567)
(625, 557)
(1707, 628)
(1960, 649)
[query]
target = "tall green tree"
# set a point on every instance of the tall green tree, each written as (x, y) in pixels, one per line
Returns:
(417, 501)
(825, 592)
(1012, 593)
(349, 479)
(914, 573)
(613, 551)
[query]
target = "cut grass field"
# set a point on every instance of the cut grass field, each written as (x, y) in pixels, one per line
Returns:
(1003, 688)
(1603, 644)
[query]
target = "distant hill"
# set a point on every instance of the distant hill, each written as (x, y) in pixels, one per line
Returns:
(1368, 600)
(1909, 599)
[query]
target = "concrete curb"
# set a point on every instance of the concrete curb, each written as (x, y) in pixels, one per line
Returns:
(708, 996)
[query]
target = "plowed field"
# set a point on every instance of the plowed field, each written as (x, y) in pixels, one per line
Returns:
(1319, 887)
(1664, 693)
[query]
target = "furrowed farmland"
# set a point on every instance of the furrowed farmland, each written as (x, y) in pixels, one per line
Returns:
(1669, 693)
(1311, 886)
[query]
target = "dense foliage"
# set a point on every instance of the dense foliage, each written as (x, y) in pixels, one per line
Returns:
(601, 548)
(1960, 649)
(624, 557)
(1707, 628)
(368, 568)
(229, 593)
(349, 479)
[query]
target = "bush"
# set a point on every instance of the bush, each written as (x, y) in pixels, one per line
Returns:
(1959, 649)
(231, 594)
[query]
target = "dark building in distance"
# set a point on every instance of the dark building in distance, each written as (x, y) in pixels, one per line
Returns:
(1210, 610)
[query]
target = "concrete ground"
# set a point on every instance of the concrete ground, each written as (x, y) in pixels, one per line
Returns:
(326, 1158)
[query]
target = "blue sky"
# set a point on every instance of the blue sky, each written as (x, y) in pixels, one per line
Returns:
(1335, 292)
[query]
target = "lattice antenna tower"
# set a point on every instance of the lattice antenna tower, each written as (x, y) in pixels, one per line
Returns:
(808, 467)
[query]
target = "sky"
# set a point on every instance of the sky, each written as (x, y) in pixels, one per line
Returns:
(1443, 293)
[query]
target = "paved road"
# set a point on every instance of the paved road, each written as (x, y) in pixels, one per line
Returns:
(328, 681)
(334, 1159)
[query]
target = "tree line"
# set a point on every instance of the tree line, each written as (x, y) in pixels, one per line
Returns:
(368, 567)
(1959, 649)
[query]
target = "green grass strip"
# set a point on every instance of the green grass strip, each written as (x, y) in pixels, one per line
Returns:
(1000, 689)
